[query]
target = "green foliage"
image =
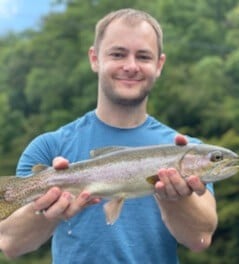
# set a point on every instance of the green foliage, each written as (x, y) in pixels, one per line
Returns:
(46, 81)
(42, 256)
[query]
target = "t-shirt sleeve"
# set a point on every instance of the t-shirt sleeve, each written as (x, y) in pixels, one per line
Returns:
(42, 150)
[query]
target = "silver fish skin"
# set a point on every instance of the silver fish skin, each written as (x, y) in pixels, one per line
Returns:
(119, 173)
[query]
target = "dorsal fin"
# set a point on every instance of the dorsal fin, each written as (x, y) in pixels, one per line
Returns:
(102, 151)
(38, 168)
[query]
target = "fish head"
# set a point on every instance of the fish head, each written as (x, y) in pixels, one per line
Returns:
(211, 163)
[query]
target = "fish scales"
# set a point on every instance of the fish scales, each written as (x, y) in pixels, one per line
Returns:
(119, 173)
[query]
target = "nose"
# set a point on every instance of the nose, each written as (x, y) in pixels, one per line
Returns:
(131, 64)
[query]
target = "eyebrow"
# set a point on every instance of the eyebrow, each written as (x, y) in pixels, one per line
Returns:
(116, 48)
(120, 48)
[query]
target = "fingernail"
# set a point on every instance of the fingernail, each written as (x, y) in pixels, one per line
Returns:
(85, 196)
(55, 191)
(67, 196)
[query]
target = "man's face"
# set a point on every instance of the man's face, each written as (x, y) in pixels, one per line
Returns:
(127, 62)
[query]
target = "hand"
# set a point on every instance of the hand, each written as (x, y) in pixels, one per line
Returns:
(172, 186)
(57, 204)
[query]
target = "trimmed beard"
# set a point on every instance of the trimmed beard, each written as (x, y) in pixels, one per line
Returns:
(119, 100)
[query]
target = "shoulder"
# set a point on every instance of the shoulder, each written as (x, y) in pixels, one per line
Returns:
(67, 131)
(165, 133)
(45, 147)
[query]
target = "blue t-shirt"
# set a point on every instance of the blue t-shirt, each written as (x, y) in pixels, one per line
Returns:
(139, 235)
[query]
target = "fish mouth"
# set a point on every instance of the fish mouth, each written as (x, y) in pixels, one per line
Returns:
(223, 170)
(231, 167)
(232, 163)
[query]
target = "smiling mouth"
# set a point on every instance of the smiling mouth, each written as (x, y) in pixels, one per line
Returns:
(129, 80)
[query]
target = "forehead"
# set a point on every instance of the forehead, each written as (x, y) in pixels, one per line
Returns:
(130, 35)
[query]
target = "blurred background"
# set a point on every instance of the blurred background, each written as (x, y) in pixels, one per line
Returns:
(46, 81)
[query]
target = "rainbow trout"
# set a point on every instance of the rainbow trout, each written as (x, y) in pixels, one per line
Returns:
(119, 173)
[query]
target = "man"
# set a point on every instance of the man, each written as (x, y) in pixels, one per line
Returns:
(127, 56)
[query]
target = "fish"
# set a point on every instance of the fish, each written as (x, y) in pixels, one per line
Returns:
(117, 173)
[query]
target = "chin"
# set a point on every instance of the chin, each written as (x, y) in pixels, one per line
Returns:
(130, 101)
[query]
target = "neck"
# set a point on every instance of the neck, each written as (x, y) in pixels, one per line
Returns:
(122, 116)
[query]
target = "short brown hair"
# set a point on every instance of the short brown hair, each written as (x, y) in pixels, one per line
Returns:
(132, 16)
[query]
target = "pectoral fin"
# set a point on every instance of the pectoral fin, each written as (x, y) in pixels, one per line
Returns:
(152, 179)
(112, 210)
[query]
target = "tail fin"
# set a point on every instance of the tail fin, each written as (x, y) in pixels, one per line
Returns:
(7, 207)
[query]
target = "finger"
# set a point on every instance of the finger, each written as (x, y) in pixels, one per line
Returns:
(196, 185)
(79, 203)
(175, 187)
(181, 140)
(56, 210)
(47, 199)
(60, 163)
(164, 176)
(160, 190)
(169, 190)
(180, 185)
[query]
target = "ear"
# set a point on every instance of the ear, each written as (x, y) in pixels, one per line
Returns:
(93, 58)
(160, 65)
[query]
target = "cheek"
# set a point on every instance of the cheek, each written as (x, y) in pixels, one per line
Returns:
(151, 75)
(105, 68)
(105, 73)
(151, 71)
(192, 164)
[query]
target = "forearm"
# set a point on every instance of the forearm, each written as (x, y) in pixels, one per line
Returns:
(24, 231)
(31, 230)
(191, 220)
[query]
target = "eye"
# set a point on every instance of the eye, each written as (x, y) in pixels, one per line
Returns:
(216, 156)
(117, 55)
(144, 57)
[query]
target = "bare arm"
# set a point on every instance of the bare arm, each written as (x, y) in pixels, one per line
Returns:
(188, 209)
(26, 226)
(33, 229)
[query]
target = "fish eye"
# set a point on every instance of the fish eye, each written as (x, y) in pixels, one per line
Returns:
(216, 156)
